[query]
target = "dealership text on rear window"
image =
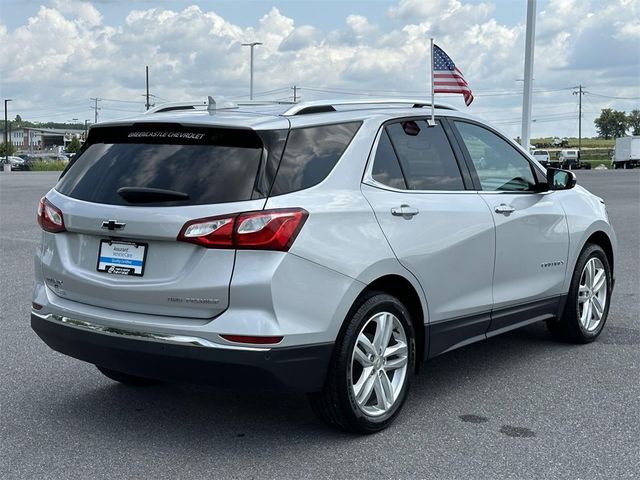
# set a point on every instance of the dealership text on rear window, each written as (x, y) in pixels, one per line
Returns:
(188, 135)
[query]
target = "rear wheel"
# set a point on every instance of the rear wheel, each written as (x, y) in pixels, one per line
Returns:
(587, 306)
(371, 369)
(125, 378)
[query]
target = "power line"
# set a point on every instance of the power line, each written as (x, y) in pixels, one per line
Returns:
(119, 101)
(111, 109)
(487, 93)
(38, 108)
(267, 92)
(610, 96)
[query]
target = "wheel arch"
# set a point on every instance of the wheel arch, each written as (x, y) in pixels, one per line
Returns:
(598, 233)
(403, 289)
(601, 239)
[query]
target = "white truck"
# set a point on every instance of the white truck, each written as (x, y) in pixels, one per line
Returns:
(627, 152)
(570, 159)
(542, 156)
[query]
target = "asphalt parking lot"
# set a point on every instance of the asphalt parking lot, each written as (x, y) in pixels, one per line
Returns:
(518, 406)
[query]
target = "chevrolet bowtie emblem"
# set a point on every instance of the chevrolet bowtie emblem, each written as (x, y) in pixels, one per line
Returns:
(113, 225)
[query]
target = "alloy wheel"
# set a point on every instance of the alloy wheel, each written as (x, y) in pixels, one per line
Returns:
(379, 364)
(592, 294)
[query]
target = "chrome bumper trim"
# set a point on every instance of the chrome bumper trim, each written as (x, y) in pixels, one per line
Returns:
(146, 336)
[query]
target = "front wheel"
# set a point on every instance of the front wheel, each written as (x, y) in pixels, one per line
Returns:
(371, 369)
(587, 306)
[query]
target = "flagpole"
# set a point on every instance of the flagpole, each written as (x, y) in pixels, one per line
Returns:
(433, 94)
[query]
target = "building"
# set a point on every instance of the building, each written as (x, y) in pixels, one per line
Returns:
(33, 139)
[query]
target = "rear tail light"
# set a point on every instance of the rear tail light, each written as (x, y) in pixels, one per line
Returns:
(50, 217)
(213, 232)
(262, 230)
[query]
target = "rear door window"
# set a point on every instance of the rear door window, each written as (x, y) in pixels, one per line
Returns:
(208, 165)
(386, 169)
(310, 154)
(425, 156)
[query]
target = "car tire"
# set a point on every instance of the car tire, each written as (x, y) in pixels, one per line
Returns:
(371, 368)
(125, 378)
(587, 306)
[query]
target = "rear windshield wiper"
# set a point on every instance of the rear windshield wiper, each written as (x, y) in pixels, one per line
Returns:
(149, 195)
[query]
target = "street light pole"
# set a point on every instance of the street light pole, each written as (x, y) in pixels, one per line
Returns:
(528, 73)
(147, 83)
(6, 130)
(252, 46)
(580, 92)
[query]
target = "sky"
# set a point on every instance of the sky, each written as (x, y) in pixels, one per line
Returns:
(57, 54)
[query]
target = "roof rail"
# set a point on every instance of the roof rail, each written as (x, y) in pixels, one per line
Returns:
(249, 103)
(319, 106)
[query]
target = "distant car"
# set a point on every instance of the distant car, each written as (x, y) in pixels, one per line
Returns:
(542, 156)
(570, 158)
(560, 142)
(18, 164)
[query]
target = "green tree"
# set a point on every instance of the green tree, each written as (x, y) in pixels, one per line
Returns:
(611, 123)
(633, 122)
(18, 119)
(4, 147)
(74, 145)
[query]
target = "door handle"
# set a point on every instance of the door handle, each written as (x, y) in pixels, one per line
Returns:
(404, 211)
(504, 208)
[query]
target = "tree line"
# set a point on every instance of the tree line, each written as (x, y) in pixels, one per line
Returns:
(10, 148)
(615, 124)
(19, 122)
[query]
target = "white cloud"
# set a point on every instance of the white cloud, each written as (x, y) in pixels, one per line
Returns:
(300, 38)
(360, 25)
(83, 11)
(67, 53)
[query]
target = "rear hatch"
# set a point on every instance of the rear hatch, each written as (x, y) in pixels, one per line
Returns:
(124, 200)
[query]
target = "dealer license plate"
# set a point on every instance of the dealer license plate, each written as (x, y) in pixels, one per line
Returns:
(122, 258)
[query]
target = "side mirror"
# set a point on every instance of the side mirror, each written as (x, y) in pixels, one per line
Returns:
(558, 179)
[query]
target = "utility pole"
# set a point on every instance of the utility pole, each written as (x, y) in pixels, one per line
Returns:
(6, 134)
(252, 45)
(528, 74)
(295, 94)
(95, 109)
(147, 104)
(580, 92)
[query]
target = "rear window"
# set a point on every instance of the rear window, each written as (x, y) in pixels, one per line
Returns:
(209, 165)
(310, 154)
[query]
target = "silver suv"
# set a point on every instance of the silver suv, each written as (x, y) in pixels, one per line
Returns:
(324, 247)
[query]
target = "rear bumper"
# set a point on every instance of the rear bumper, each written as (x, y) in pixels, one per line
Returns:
(187, 359)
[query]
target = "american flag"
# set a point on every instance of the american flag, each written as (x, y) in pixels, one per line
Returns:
(447, 78)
